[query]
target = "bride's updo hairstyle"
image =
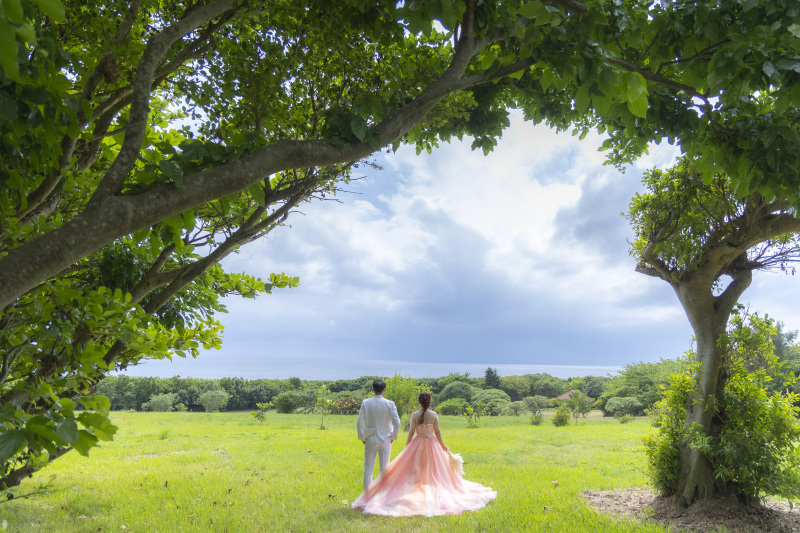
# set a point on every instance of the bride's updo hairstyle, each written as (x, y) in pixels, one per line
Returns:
(425, 401)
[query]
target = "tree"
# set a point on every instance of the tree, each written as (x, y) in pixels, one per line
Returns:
(579, 405)
(536, 404)
(213, 400)
(323, 404)
(492, 400)
(491, 379)
(644, 381)
(161, 402)
(517, 408)
(546, 385)
(705, 239)
(453, 406)
(108, 195)
(260, 413)
(754, 452)
(620, 406)
(404, 392)
(455, 389)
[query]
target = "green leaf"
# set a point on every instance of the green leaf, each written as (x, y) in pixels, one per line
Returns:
(358, 127)
(84, 442)
(638, 107)
(794, 29)
(582, 98)
(788, 64)
(67, 406)
(8, 52)
(53, 9)
(8, 107)
(172, 171)
(636, 87)
(547, 78)
(769, 69)
(10, 443)
(13, 10)
(192, 150)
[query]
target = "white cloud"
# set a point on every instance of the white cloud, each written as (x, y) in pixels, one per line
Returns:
(518, 257)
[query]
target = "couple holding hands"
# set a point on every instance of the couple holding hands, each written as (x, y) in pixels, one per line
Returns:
(425, 478)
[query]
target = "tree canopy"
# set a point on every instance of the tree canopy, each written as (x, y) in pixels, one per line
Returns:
(145, 141)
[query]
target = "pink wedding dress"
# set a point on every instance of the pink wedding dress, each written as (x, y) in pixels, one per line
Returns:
(420, 481)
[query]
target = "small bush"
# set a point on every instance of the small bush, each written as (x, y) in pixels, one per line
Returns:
(627, 405)
(180, 407)
(536, 404)
(346, 405)
(562, 416)
(493, 401)
(297, 400)
(161, 402)
(624, 419)
(517, 408)
(536, 420)
(453, 406)
(456, 389)
(261, 413)
(213, 400)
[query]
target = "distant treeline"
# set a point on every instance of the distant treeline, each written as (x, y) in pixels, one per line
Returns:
(641, 381)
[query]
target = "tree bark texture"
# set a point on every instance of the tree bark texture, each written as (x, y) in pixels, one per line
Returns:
(708, 315)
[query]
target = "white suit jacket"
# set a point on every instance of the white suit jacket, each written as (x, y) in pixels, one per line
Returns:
(378, 420)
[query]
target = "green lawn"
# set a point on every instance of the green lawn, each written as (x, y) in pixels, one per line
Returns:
(227, 472)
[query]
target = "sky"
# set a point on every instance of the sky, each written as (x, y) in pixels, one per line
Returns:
(518, 257)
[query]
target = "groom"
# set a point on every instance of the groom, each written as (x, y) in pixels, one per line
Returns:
(378, 426)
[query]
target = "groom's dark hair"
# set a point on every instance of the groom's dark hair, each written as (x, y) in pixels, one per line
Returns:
(378, 386)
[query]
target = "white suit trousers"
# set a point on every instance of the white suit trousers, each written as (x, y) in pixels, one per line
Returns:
(383, 450)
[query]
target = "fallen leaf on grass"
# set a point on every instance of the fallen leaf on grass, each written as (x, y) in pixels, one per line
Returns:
(546, 508)
(331, 495)
(309, 451)
(248, 482)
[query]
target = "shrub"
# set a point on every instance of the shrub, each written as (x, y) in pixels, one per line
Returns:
(536, 404)
(536, 420)
(453, 406)
(261, 413)
(618, 407)
(562, 415)
(455, 389)
(493, 401)
(346, 405)
(161, 402)
(578, 404)
(517, 408)
(624, 419)
(180, 407)
(213, 400)
(473, 416)
(754, 452)
(290, 401)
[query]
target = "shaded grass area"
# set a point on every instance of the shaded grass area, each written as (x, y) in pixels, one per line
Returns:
(226, 472)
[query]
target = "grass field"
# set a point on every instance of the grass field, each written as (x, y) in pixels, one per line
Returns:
(227, 472)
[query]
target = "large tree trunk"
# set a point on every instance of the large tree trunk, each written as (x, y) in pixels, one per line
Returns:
(708, 315)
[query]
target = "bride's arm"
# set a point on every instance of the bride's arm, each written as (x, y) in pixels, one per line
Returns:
(438, 433)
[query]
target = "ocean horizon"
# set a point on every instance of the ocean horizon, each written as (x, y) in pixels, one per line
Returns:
(213, 366)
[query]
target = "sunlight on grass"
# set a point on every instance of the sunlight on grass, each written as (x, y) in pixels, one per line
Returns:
(226, 472)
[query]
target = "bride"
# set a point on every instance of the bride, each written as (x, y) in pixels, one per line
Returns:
(425, 478)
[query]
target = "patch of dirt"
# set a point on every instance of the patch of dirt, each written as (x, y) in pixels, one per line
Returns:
(643, 503)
